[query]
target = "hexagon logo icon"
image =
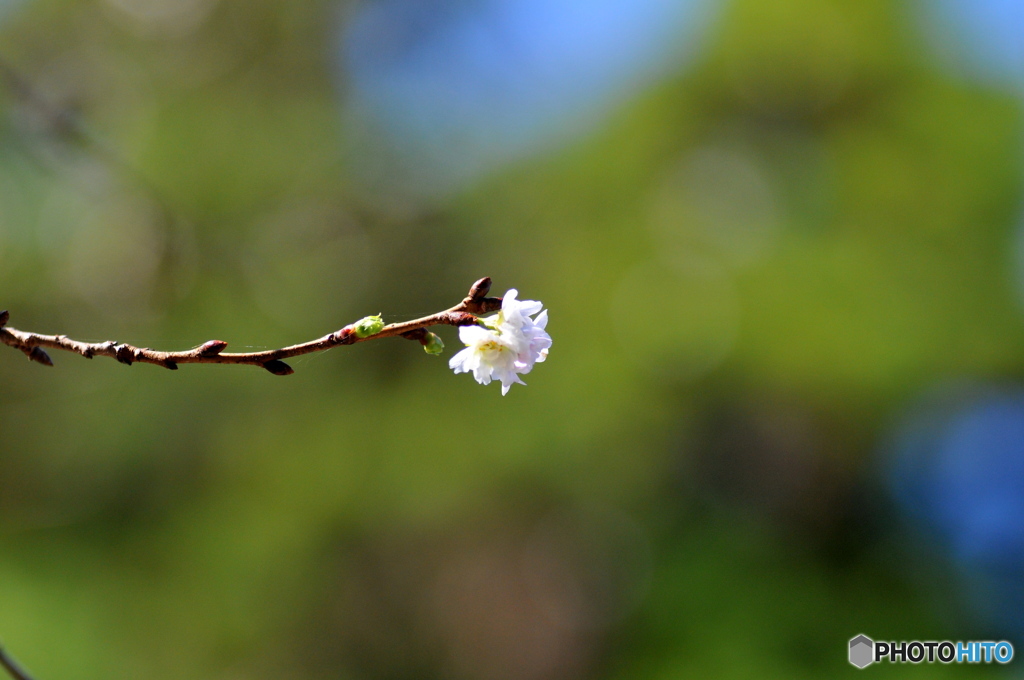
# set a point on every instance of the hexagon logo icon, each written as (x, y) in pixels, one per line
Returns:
(862, 651)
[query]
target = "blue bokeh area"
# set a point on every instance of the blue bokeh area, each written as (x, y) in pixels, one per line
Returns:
(984, 38)
(460, 86)
(958, 473)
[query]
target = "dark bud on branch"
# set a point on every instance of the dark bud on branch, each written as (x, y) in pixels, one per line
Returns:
(211, 348)
(481, 288)
(38, 354)
(278, 367)
(477, 301)
(125, 355)
(419, 334)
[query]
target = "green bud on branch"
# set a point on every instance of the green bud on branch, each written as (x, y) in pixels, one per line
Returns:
(369, 325)
(432, 344)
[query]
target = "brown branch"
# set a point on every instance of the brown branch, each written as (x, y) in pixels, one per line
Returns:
(9, 665)
(211, 352)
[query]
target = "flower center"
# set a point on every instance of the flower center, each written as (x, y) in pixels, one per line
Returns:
(491, 346)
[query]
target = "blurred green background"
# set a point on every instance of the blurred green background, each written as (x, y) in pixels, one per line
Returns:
(770, 233)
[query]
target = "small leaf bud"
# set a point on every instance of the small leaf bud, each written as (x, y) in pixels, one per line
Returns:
(432, 344)
(367, 326)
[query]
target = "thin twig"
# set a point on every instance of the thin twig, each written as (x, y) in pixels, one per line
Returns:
(9, 664)
(212, 351)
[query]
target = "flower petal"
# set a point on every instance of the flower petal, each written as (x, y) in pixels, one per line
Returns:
(474, 335)
(458, 362)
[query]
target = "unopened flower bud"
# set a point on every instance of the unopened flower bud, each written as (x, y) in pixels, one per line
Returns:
(432, 344)
(39, 354)
(278, 367)
(211, 348)
(367, 326)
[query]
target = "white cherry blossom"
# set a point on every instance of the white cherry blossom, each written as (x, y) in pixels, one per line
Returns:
(510, 344)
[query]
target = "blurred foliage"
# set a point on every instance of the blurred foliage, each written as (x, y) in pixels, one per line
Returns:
(751, 269)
